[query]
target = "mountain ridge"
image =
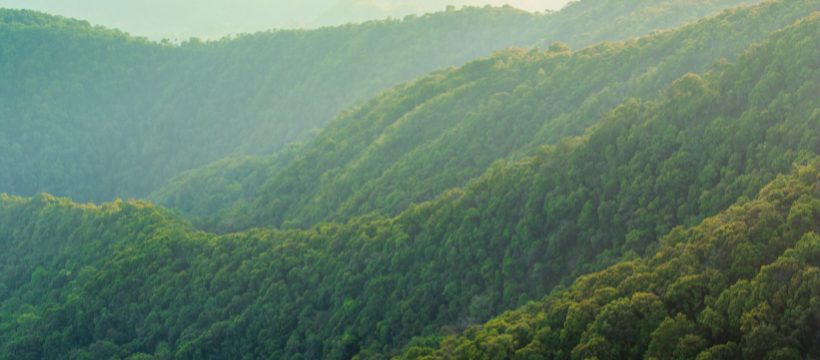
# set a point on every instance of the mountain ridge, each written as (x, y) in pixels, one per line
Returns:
(363, 288)
(386, 154)
(149, 111)
(631, 226)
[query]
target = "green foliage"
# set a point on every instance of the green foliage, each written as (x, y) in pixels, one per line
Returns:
(589, 23)
(96, 114)
(224, 190)
(130, 279)
(681, 225)
(442, 131)
(770, 313)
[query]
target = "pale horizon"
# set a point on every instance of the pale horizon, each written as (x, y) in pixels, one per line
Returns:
(213, 19)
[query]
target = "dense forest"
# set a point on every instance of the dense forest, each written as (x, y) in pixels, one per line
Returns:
(655, 198)
(722, 167)
(96, 114)
(742, 285)
(439, 132)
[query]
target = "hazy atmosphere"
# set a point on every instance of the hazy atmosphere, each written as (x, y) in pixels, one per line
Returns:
(212, 19)
(604, 180)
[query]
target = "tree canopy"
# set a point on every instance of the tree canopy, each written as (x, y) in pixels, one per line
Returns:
(96, 114)
(650, 199)
(410, 144)
(722, 168)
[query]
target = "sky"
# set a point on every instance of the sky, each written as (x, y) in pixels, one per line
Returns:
(213, 19)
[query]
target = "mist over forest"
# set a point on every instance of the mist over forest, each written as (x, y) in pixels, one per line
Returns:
(177, 20)
(396, 180)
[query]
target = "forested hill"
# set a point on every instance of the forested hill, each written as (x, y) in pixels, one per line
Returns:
(95, 114)
(410, 144)
(741, 285)
(131, 280)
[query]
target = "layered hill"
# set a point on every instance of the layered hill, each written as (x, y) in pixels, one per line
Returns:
(96, 114)
(410, 144)
(177, 19)
(134, 281)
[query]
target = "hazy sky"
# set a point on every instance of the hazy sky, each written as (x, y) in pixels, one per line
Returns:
(216, 18)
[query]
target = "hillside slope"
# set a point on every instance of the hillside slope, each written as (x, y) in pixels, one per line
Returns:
(410, 144)
(741, 285)
(130, 279)
(95, 114)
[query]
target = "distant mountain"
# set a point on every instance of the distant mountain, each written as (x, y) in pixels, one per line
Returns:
(344, 11)
(181, 19)
(214, 19)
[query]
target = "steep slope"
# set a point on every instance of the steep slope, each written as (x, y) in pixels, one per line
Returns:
(95, 114)
(410, 144)
(742, 285)
(129, 279)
